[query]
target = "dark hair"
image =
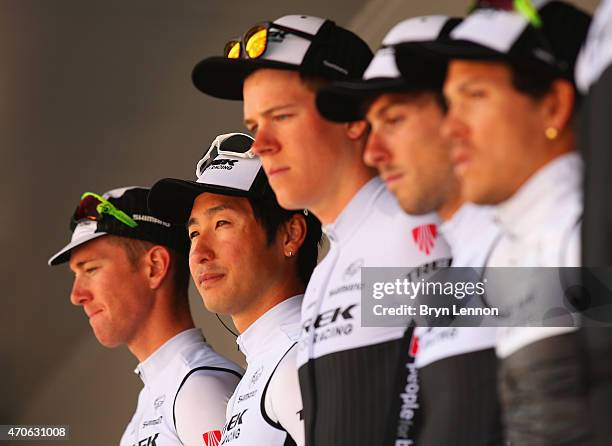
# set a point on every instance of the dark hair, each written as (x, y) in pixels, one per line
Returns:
(533, 83)
(537, 83)
(179, 269)
(271, 216)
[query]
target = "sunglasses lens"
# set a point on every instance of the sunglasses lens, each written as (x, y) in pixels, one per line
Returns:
(255, 42)
(232, 49)
(87, 209)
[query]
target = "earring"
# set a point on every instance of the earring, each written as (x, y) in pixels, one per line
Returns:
(290, 253)
(551, 133)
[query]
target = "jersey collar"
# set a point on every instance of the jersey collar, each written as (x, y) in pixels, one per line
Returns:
(277, 324)
(354, 213)
(542, 195)
(153, 366)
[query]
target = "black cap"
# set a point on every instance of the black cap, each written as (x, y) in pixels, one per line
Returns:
(549, 44)
(133, 202)
(227, 168)
(333, 53)
(345, 101)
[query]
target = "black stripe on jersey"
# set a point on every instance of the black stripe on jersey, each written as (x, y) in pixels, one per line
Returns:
(262, 405)
(346, 394)
(215, 369)
(459, 402)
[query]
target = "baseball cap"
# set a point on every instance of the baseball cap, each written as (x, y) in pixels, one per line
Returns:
(344, 101)
(228, 167)
(543, 35)
(122, 212)
(307, 44)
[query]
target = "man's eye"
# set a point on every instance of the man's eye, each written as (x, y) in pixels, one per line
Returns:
(476, 94)
(91, 269)
(282, 117)
(193, 234)
(392, 120)
(221, 223)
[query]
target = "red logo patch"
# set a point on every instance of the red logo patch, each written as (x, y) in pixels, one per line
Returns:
(212, 438)
(425, 237)
(414, 346)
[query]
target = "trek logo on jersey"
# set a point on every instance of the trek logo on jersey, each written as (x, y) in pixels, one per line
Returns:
(212, 438)
(231, 430)
(329, 317)
(425, 237)
(326, 322)
(149, 441)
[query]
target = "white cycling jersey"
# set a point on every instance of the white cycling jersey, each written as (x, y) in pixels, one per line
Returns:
(266, 408)
(186, 389)
(540, 227)
(471, 233)
(347, 372)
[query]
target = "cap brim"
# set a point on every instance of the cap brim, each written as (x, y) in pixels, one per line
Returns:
(347, 101)
(223, 78)
(171, 199)
(441, 53)
(64, 254)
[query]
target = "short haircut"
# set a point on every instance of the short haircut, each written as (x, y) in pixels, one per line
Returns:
(271, 215)
(179, 267)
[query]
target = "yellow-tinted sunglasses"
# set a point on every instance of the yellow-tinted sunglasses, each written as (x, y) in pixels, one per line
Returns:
(255, 40)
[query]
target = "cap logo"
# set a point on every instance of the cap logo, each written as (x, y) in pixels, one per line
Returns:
(223, 163)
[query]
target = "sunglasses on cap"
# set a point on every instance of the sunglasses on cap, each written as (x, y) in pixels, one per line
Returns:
(93, 207)
(255, 41)
(215, 150)
(523, 7)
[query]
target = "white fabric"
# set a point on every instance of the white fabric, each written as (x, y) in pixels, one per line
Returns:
(494, 28)
(231, 171)
(540, 227)
(471, 234)
(372, 230)
(292, 48)
(417, 29)
(269, 346)
(201, 402)
(596, 54)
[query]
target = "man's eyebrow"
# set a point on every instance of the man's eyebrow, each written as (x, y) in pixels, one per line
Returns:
(210, 211)
(270, 110)
(80, 264)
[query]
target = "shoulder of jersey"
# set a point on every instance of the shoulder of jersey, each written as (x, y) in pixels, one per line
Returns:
(202, 354)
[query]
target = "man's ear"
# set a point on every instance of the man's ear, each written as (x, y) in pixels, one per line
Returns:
(294, 234)
(157, 265)
(357, 129)
(559, 105)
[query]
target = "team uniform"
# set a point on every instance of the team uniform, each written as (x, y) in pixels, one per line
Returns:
(542, 385)
(457, 366)
(186, 388)
(266, 407)
(348, 372)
